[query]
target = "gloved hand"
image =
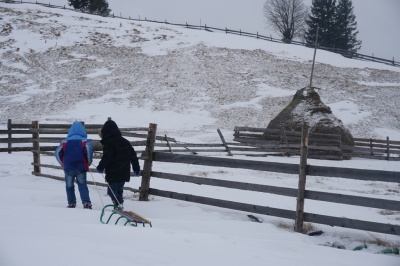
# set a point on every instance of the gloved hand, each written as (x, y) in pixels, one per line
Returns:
(99, 171)
(138, 173)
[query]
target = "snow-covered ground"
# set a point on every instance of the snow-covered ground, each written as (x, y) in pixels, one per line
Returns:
(60, 66)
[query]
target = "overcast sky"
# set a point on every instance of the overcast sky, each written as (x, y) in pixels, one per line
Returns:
(378, 20)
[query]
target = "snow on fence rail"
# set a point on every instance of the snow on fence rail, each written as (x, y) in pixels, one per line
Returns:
(345, 53)
(150, 155)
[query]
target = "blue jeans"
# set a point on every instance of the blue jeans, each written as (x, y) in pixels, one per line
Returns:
(80, 176)
(115, 191)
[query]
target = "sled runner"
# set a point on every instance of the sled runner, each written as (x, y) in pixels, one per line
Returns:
(131, 218)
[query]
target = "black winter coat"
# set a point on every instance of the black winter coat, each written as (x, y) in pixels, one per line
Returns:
(118, 154)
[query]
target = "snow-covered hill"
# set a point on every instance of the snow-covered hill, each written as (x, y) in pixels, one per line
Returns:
(59, 66)
(53, 62)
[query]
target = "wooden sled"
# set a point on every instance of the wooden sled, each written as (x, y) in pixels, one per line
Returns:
(131, 217)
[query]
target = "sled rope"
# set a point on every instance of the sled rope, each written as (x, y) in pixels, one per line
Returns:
(108, 187)
(95, 184)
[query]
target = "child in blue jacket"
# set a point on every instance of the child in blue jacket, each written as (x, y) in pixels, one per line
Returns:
(75, 154)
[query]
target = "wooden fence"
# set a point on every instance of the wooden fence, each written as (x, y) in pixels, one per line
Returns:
(321, 146)
(150, 156)
(254, 142)
(345, 53)
(20, 136)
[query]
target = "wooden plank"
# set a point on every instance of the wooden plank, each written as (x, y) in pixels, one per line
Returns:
(224, 143)
(315, 140)
(255, 149)
(375, 157)
(388, 149)
(48, 166)
(353, 200)
(250, 135)
(9, 137)
(144, 136)
(21, 126)
(301, 188)
(175, 145)
(14, 140)
(193, 151)
(290, 192)
(15, 149)
(88, 181)
(351, 173)
(368, 150)
(16, 131)
(254, 145)
(30, 140)
(169, 146)
(36, 146)
(377, 141)
(53, 131)
(258, 141)
(353, 224)
(255, 129)
(376, 146)
(225, 204)
(311, 147)
(325, 136)
(225, 162)
(148, 163)
(362, 144)
(325, 157)
(348, 173)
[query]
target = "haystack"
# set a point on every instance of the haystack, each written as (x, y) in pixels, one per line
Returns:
(307, 106)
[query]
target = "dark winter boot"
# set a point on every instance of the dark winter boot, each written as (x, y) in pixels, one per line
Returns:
(87, 206)
(71, 206)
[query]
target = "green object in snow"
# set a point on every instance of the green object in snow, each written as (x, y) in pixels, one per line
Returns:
(360, 247)
(390, 251)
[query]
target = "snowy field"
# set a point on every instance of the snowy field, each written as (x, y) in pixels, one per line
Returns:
(58, 66)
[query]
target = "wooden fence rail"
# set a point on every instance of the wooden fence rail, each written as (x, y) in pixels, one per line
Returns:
(346, 53)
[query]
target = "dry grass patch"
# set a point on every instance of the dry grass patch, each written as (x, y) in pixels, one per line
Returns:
(307, 227)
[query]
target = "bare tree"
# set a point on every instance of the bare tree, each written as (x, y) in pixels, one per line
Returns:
(286, 17)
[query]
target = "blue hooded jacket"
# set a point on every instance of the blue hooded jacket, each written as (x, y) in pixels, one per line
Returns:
(75, 152)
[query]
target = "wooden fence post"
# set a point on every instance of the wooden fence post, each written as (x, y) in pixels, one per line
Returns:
(36, 148)
(371, 147)
(298, 227)
(224, 143)
(9, 128)
(169, 146)
(148, 163)
(388, 150)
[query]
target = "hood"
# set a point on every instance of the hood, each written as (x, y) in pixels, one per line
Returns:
(77, 131)
(110, 129)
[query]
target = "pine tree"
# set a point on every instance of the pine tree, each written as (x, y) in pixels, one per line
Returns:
(322, 15)
(79, 4)
(346, 27)
(98, 7)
